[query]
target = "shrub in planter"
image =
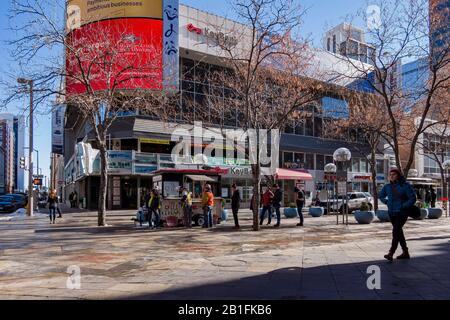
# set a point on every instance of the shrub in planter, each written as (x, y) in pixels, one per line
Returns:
(364, 215)
(434, 213)
(316, 212)
(383, 215)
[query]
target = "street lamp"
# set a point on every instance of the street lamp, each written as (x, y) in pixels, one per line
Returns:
(330, 170)
(344, 155)
(30, 151)
(446, 166)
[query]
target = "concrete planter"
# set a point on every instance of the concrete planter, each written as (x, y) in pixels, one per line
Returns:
(290, 212)
(434, 213)
(383, 215)
(423, 214)
(316, 212)
(224, 215)
(364, 217)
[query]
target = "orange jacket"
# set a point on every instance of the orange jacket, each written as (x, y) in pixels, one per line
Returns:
(208, 199)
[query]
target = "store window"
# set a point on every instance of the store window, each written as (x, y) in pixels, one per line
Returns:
(363, 166)
(320, 161)
(380, 166)
(328, 159)
(355, 165)
(309, 161)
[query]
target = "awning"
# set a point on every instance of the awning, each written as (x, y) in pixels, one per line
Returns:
(285, 174)
(200, 178)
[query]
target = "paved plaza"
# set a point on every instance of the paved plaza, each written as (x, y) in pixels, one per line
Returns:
(319, 261)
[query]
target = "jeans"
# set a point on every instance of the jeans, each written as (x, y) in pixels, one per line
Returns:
(263, 213)
(278, 213)
(235, 216)
(52, 212)
(208, 217)
(398, 221)
(300, 212)
(154, 213)
(188, 216)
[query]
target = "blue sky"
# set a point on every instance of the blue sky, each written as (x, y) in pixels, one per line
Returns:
(321, 15)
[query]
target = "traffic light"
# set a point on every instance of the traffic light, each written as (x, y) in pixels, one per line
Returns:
(22, 162)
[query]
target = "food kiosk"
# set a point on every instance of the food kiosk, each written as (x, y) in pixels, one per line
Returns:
(169, 182)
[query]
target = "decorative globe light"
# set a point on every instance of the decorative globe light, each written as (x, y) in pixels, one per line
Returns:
(330, 168)
(342, 154)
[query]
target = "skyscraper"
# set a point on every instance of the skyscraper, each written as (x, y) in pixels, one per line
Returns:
(16, 126)
(439, 28)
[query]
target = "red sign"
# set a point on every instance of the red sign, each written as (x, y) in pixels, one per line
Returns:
(115, 54)
(192, 28)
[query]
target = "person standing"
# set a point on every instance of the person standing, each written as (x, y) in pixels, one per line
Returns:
(154, 206)
(207, 205)
(433, 197)
(52, 205)
(186, 204)
(277, 199)
(266, 201)
(75, 199)
(427, 198)
(300, 202)
(235, 204)
(399, 196)
(71, 199)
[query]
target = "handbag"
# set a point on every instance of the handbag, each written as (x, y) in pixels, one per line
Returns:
(413, 211)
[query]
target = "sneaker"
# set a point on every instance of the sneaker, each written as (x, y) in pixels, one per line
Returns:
(300, 224)
(404, 255)
(389, 256)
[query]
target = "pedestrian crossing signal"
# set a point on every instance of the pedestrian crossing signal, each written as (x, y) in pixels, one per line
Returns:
(37, 182)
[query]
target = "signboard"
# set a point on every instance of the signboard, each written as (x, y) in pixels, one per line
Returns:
(138, 169)
(171, 50)
(82, 12)
(154, 141)
(37, 182)
(133, 48)
(120, 162)
(342, 188)
(362, 178)
(58, 129)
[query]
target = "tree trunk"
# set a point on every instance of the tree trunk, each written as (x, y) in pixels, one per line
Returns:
(256, 195)
(103, 186)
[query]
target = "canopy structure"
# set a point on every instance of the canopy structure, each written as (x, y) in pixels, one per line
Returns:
(200, 178)
(285, 174)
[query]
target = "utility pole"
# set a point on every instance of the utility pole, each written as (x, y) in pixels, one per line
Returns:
(30, 150)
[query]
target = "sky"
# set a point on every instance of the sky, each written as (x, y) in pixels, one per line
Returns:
(320, 16)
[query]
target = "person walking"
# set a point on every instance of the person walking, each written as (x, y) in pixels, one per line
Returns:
(433, 198)
(207, 205)
(235, 205)
(186, 204)
(75, 199)
(58, 201)
(52, 205)
(427, 198)
(399, 196)
(277, 199)
(154, 206)
(300, 202)
(266, 201)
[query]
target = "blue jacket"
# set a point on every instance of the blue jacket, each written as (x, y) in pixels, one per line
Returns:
(404, 197)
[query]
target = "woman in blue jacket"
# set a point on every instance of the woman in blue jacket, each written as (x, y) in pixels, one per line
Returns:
(399, 196)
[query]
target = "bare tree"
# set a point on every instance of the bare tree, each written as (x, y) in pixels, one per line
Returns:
(402, 32)
(99, 70)
(264, 81)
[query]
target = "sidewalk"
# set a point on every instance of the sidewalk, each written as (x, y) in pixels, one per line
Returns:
(320, 261)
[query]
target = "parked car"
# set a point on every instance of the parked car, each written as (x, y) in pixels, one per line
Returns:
(7, 204)
(21, 199)
(355, 200)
